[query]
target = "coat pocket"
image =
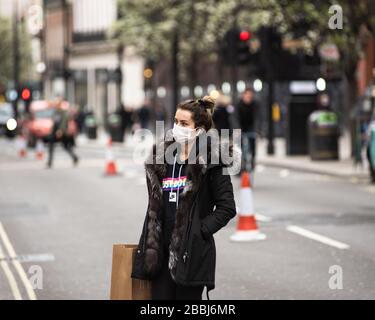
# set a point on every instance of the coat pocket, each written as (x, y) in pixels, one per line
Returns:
(200, 259)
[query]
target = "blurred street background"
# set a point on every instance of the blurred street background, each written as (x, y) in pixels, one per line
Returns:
(78, 78)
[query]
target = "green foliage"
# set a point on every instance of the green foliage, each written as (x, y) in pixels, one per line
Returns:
(6, 52)
(148, 25)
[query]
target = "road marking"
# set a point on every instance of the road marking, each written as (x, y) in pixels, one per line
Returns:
(354, 180)
(258, 216)
(262, 218)
(370, 189)
(8, 273)
(317, 237)
(21, 272)
(141, 182)
(284, 173)
(41, 257)
(260, 168)
(131, 173)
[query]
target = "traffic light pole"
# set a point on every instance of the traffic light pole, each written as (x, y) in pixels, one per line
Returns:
(66, 71)
(234, 81)
(271, 133)
(175, 71)
(15, 58)
(269, 60)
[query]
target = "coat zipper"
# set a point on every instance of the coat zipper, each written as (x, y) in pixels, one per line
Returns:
(186, 253)
(185, 256)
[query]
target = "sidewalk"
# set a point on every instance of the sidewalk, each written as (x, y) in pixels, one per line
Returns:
(102, 140)
(344, 168)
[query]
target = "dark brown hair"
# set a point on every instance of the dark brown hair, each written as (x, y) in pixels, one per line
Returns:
(249, 89)
(201, 109)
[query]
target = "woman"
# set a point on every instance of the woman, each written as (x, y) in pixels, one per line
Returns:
(190, 198)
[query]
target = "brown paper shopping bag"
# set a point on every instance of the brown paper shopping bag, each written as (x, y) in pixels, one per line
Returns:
(123, 286)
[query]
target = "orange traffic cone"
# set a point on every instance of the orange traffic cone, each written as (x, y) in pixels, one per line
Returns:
(39, 154)
(21, 146)
(247, 228)
(111, 168)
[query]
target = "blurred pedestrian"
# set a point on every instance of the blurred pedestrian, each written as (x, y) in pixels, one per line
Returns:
(247, 111)
(63, 130)
(160, 114)
(144, 115)
(176, 250)
(121, 112)
(129, 118)
(221, 116)
(80, 119)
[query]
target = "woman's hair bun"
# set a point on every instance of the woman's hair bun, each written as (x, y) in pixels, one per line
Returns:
(201, 109)
(208, 103)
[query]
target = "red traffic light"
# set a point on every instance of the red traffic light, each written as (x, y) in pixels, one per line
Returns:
(244, 35)
(25, 94)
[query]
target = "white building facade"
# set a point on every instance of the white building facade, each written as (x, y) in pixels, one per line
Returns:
(98, 74)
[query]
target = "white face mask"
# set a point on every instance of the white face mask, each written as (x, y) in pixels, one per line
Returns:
(183, 134)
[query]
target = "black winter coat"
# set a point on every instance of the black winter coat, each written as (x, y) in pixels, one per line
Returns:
(221, 118)
(205, 206)
(247, 115)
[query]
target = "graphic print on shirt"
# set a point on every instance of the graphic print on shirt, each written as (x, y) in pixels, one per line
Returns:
(174, 183)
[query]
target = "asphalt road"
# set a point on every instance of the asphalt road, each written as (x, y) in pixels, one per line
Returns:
(59, 226)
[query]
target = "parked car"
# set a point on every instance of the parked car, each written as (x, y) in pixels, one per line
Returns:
(39, 123)
(8, 123)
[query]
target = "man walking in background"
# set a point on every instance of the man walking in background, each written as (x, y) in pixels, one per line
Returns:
(62, 131)
(247, 110)
(224, 116)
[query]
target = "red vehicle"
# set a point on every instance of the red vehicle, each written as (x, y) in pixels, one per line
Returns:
(40, 124)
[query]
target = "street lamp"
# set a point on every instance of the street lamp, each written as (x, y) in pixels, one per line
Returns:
(161, 92)
(321, 84)
(198, 91)
(257, 85)
(147, 73)
(40, 67)
(241, 86)
(225, 87)
(185, 91)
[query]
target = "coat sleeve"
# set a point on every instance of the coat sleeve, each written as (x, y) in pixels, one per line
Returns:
(222, 193)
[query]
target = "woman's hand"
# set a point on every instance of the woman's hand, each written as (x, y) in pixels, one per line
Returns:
(222, 192)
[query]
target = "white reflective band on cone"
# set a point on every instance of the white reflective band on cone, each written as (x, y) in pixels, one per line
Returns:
(246, 202)
(109, 155)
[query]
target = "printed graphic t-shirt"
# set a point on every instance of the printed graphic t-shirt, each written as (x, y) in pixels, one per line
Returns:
(171, 183)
